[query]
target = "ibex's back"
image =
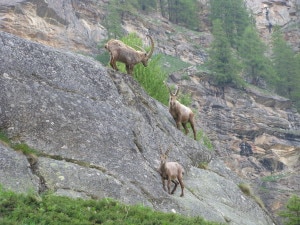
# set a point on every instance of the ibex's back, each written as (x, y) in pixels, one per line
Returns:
(120, 52)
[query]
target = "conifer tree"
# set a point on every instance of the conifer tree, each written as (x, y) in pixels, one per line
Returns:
(292, 212)
(235, 18)
(256, 64)
(113, 19)
(183, 12)
(222, 62)
(286, 65)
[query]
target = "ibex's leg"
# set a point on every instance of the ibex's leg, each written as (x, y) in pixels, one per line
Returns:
(177, 123)
(164, 184)
(176, 183)
(185, 128)
(129, 69)
(113, 63)
(181, 185)
(169, 185)
(193, 127)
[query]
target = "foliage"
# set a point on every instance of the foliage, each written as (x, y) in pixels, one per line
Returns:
(151, 79)
(203, 165)
(234, 16)
(256, 64)
(272, 178)
(201, 136)
(223, 63)
(146, 5)
(184, 12)
(50, 209)
(113, 19)
(24, 148)
(185, 99)
(286, 64)
(245, 188)
(4, 138)
(292, 211)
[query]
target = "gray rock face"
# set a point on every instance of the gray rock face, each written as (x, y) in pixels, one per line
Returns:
(99, 135)
(15, 171)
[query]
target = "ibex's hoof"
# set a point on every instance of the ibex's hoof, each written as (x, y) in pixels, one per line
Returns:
(181, 195)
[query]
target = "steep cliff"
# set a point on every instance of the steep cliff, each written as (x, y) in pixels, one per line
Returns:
(97, 134)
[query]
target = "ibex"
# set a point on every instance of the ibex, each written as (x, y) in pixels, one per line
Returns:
(120, 52)
(170, 171)
(181, 113)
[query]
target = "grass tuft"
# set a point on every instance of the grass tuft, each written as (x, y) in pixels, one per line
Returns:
(245, 188)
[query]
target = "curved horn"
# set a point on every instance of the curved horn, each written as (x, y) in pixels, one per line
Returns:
(168, 87)
(152, 46)
(176, 93)
(140, 48)
(168, 150)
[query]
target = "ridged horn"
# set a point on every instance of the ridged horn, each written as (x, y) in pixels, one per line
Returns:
(152, 47)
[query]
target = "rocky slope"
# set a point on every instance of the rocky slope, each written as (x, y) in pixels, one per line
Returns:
(99, 135)
(269, 122)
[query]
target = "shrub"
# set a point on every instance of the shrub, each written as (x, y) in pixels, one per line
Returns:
(245, 188)
(292, 212)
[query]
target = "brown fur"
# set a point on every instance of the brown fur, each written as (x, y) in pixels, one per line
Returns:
(171, 171)
(181, 113)
(120, 52)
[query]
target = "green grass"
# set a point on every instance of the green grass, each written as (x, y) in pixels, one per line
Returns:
(246, 189)
(152, 78)
(4, 138)
(21, 209)
(24, 148)
(272, 178)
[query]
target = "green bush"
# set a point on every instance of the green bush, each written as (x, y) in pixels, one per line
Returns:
(292, 212)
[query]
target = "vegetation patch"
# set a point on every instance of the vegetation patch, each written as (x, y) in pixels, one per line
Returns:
(203, 165)
(272, 178)
(291, 214)
(246, 189)
(22, 147)
(51, 209)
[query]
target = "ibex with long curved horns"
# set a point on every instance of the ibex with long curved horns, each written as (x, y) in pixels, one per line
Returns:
(129, 56)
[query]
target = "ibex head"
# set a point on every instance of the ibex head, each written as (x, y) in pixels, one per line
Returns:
(173, 96)
(164, 156)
